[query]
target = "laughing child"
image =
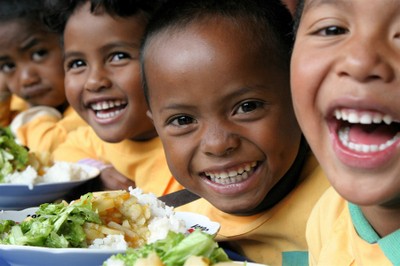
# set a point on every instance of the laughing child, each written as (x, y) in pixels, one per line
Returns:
(216, 76)
(346, 91)
(102, 79)
(31, 68)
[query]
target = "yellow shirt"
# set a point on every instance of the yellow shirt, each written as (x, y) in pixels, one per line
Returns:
(334, 239)
(9, 108)
(43, 128)
(275, 236)
(144, 162)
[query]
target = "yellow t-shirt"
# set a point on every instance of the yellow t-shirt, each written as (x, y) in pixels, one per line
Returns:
(144, 162)
(9, 108)
(338, 234)
(275, 236)
(43, 128)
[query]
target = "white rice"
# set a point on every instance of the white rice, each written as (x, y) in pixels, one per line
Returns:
(59, 172)
(114, 242)
(162, 220)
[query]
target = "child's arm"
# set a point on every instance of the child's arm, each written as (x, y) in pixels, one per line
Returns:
(43, 128)
(83, 146)
(111, 179)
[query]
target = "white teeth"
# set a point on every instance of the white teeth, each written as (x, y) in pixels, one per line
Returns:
(100, 106)
(387, 119)
(108, 114)
(353, 118)
(366, 118)
(233, 176)
(377, 118)
(344, 139)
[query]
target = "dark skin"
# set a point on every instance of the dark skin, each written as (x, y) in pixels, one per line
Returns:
(111, 179)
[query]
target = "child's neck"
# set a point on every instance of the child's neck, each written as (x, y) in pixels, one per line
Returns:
(384, 220)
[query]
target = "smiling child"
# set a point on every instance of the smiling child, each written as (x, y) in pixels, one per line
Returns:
(102, 80)
(346, 87)
(216, 76)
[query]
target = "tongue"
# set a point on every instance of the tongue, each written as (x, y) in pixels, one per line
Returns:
(371, 134)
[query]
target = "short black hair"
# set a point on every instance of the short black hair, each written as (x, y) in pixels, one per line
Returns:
(297, 16)
(57, 12)
(269, 22)
(28, 10)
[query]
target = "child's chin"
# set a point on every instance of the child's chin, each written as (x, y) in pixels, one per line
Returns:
(235, 207)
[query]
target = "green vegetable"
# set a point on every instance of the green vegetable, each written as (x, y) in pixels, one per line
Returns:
(54, 226)
(176, 249)
(13, 157)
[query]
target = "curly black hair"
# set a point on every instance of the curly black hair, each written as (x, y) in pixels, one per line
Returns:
(28, 10)
(57, 12)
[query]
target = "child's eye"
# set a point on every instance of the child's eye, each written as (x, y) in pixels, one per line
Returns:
(181, 121)
(7, 67)
(119, 56)
(249, 106)
(75, 64)
(331, 31)
(39, 55)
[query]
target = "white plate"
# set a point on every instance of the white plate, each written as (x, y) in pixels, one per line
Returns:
(13, 255)
(21, 196)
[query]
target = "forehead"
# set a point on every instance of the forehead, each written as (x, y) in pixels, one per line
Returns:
(84, 24)
(316, 3)
(20, 35)
(210, 37)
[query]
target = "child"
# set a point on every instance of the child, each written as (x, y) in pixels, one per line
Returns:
(346, 88)
(31, 66)
(101, 47)
(216, 74)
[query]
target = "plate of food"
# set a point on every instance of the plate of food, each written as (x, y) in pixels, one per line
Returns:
(91, 229)
(30, 178)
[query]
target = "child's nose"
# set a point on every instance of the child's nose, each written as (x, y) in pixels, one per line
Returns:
(97, 80)
(366, 59)
(218, 140)
(28, 76)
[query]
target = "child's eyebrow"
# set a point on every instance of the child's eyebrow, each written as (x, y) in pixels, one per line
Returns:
(316, 3)
(29, 43)
(109, 46)
(4, 58)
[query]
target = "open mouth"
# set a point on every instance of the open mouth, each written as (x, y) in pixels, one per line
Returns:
(365, 131)
(233, 175)
(108, 109)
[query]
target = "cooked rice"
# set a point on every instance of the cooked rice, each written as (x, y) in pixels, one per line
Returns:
(59, 172)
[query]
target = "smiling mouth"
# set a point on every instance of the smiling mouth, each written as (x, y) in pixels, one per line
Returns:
(232, 176)
(366, 132)
(108, 109)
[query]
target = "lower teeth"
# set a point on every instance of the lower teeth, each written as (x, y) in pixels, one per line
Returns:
(344, 139)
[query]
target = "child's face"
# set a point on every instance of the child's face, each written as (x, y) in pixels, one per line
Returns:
(31, 61)
(102, 78)
(346, 90)
(221, 110)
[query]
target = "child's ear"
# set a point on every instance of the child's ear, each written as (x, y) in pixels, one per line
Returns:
(150, 115)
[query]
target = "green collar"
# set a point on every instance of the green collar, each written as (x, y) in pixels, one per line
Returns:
(390, 244)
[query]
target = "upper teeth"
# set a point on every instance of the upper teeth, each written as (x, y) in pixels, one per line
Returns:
(362, 118)
(99, 106)
(232, 176)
